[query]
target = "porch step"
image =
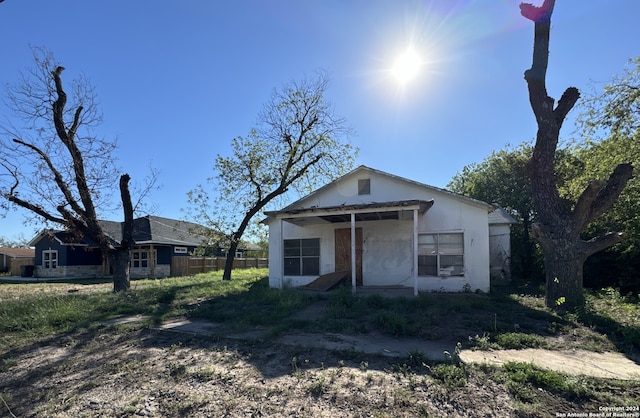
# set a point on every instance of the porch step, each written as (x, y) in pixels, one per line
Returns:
(327, 281)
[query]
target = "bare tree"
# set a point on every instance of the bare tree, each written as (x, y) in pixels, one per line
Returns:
(55, 168)
(561, 222)
(299, 143)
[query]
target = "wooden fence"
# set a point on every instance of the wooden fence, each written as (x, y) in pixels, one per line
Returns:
(188, 266)
(15, 265)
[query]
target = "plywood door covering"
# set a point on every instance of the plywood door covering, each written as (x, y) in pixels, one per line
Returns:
(343, 251)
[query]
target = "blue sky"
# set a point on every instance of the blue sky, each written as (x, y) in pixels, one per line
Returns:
(177, 80)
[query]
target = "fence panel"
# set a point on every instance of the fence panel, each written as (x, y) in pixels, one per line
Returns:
(188, 266)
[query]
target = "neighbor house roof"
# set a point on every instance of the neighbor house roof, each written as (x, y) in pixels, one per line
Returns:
(146, 230)
(18, 252)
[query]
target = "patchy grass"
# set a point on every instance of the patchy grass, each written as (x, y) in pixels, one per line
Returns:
(51, 340)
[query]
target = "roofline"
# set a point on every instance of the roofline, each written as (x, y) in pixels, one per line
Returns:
(421, 205)
(467, 199)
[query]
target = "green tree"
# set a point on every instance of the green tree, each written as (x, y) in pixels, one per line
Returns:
(55, 168)
(299, 144)
(560, 223)
(502, 179)
(610, 124)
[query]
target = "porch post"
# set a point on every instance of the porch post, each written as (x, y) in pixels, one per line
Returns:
(415, 252)
(353, 253)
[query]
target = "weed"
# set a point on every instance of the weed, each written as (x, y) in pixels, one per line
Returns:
(318, 387)
(452, 375)
(517, 340)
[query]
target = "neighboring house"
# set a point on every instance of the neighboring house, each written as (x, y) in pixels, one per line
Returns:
(12, 259)
(500, 245)
(387, 231)
(157, 241)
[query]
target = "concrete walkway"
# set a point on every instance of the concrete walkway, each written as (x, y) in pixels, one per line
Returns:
(575, 362)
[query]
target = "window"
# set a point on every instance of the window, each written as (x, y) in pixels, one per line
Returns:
(302, 257)
(180, 250)
(50, 259)
(364, 186)
(441, 254)
(140, 259)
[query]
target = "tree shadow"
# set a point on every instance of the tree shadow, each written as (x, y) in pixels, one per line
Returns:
(97, 355)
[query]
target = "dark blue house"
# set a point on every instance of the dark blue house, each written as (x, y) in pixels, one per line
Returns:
(157, 241)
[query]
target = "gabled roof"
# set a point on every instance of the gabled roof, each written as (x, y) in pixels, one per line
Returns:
(331, 184)
(501, 216)
(18, 252)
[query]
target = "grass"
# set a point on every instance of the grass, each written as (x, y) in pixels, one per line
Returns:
(501, 320)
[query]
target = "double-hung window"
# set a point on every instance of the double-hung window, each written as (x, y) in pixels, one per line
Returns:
(50, 259)
(441, 254)
(302, 257)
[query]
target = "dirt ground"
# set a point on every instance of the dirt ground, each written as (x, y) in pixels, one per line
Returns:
(126, 368)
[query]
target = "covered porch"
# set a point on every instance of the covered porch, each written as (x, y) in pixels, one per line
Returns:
(348, 246)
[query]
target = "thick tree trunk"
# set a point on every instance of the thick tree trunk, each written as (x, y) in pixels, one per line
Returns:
(228, 264)
(121, 262)
(559, 227)
(563, 271)
(121, 257)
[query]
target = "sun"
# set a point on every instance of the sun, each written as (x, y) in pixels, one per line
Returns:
(407, 66)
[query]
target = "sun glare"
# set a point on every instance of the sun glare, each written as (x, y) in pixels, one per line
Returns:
(406, 66)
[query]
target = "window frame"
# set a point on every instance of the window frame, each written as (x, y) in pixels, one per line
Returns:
(141, 260)
(445, 253)
(291, 254)
(364, 187)
(49, 262)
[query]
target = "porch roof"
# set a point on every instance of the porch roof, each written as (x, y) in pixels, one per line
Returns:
(375, 211)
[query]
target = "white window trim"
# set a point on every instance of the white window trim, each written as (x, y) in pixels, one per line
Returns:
(441, 272)
(148, 258)
(51, 262)
(300, 257)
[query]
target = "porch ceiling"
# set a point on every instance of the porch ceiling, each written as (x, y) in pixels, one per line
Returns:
(363, 212)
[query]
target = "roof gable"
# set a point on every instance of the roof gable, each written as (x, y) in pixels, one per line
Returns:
(346, 188)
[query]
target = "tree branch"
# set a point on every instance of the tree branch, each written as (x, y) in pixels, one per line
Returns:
(602, 242)
(565, 104)
(35, 209)
(62, 185)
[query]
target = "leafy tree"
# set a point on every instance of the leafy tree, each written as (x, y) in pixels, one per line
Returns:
(299, 143)
(502, 179)
(560, 222)
(54, 166)
(610, 122)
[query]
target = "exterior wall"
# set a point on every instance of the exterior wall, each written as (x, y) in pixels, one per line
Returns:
(160, 270)
(388, 244)
(69, 271)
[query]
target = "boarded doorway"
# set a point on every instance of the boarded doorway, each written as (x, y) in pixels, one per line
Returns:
(343, 252)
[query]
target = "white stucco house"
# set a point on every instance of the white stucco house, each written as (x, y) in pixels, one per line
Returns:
(387, 231)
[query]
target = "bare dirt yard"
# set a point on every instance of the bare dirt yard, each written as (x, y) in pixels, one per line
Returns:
(133, 367)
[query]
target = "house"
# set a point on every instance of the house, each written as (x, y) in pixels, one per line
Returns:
(387, 231)
(157, 242)
(12, 259)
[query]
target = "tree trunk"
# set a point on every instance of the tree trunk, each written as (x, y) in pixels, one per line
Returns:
(563, 263)
(122, 256)
(121, 262)
(559, 226)
(228, 264)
